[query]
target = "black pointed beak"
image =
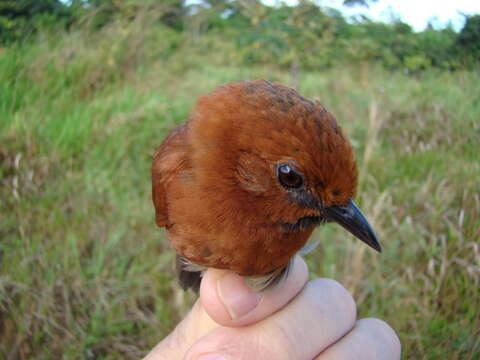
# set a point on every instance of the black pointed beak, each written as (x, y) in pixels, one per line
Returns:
(352, 219)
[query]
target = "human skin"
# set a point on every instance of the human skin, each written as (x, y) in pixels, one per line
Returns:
(298, 319)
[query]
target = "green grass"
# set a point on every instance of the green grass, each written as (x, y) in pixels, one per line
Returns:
(85, 273)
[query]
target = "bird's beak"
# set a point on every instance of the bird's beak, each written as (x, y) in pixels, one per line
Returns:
(352, 219)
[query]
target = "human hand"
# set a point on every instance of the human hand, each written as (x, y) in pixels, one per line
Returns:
(294, 320)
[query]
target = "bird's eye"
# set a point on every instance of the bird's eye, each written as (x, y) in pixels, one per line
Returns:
(288, 177)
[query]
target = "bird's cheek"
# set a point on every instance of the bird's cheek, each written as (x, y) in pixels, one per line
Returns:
(292, 213)
(253, 173)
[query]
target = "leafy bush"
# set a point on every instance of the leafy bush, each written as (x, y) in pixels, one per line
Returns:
(305, 36)
(469, 40)
(20, 18)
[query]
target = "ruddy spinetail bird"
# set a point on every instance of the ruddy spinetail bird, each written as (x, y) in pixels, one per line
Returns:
(245, 181)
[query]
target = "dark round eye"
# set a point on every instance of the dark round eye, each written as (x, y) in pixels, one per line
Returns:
(289, 177)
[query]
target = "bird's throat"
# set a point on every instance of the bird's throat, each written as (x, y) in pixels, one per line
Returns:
(304, 223)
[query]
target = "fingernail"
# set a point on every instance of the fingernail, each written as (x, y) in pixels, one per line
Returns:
(212, 357)
(237, 297)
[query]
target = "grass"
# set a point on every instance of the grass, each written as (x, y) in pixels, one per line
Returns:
(84, 272)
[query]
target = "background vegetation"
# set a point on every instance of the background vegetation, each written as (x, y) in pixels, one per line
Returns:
(88, 89)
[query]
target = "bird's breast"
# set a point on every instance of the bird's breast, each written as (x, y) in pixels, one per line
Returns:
(247, 253)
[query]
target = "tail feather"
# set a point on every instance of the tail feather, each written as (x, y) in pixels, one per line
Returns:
(270, 280)
(189, 276)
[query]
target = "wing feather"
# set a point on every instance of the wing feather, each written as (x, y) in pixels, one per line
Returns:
(169, 159)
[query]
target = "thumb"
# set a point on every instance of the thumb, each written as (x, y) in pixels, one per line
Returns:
(225, 300)
(230, 302)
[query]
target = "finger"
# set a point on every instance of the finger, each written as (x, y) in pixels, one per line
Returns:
(198, 323)
(195, 325)
(318, 317)
(370, 339)
(230, 302)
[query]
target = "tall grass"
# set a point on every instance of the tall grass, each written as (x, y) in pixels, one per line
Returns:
(84, 272)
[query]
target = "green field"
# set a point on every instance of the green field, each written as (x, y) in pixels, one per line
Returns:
(86, 274)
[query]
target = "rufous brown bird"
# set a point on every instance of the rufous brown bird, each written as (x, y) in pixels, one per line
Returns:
(245, 181)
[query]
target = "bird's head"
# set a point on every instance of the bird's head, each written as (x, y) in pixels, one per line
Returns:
(264, 155)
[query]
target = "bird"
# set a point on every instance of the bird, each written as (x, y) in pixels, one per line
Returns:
(242, 184)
